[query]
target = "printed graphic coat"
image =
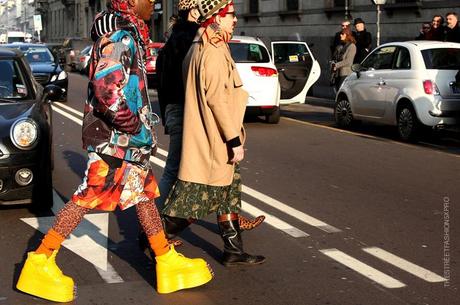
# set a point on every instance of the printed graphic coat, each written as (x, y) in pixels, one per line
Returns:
(118, 118)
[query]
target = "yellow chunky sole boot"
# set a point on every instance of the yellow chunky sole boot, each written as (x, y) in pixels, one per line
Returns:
(176, 272)
(41, 277)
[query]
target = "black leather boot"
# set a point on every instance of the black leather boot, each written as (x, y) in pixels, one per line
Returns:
(174, 225)
(234, 254)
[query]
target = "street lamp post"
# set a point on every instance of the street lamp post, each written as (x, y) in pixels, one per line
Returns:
(378, 3)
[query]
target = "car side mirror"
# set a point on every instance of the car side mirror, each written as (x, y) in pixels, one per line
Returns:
(53, 93)
(357, 68)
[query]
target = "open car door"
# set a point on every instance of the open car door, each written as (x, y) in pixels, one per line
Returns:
(297, 68)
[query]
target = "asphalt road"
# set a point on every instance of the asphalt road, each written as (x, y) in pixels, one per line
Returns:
(353, 217)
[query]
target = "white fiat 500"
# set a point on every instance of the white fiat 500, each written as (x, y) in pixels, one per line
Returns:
(286, 79)
(411, 85)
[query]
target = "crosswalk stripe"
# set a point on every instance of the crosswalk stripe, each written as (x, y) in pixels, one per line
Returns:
(273, 220)
(363, 269)
(312, 221)
(70, 109)
(405, 265)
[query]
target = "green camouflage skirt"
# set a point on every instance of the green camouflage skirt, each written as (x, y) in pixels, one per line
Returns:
(195, 200)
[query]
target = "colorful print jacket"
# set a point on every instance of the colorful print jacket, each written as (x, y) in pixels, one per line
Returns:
(118, 119)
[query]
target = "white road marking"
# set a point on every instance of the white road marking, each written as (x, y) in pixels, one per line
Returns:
(290, 211)
(79, 113)
(70, 117)
(273, 220)
(89, 240)
(363, 269)
(405, 265)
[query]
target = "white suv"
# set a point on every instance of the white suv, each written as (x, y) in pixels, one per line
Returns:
(259, 76)
(407, 84)
(269, 82)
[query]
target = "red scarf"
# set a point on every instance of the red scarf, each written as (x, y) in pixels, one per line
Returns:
(122, 7)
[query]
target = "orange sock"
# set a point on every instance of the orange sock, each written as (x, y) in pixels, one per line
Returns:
(52, 241)
(159, 243)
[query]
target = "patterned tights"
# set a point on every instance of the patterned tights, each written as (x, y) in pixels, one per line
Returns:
(72, 214)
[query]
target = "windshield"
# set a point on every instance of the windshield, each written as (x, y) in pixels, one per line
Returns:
(15, 39)
(12, 84)
(38, 54)
(249, 53)
(442, 59)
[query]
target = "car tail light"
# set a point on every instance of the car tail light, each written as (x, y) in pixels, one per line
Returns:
(263, 71)
(267, 107)
(430, 87)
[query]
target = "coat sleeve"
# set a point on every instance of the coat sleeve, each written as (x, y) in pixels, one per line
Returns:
(110, 77)
(217, 87)
(348, 57)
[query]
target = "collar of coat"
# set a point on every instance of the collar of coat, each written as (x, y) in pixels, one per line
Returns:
(214, 35)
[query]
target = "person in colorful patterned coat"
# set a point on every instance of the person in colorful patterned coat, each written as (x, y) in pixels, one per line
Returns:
(118, 133)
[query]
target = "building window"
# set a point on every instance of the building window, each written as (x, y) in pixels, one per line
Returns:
(253, 6)
(292, 5)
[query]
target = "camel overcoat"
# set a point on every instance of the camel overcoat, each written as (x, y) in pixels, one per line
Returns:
(215, 103)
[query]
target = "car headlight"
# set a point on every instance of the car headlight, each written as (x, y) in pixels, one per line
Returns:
(62, 75)
(24, 134)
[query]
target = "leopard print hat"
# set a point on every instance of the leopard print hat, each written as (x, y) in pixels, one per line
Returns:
(185, 5)
(208, 8)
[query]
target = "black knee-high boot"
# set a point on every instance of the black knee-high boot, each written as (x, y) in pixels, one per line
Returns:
(174, 225)
(234, 254)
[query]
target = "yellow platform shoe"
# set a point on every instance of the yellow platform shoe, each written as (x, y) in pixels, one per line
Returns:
(41, 277)
(176, 272)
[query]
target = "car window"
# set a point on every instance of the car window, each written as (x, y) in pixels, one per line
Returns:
(442, 59)
(249, 52)
(402, 59)
(12, 84)
(290, 52)
(38, 55)
(85, 50)
(380, 59)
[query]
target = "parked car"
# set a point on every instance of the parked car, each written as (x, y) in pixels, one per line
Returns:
(410, 85)
(70, 50)
(150, 65)
(45, 66)
(25, 133)
(81, 63)
(286, 79)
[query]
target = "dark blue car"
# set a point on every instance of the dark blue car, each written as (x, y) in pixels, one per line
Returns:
(25, 133)
(45, 66)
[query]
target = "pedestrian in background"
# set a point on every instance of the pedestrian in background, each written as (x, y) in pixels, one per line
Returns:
(336, 40)
(118, 133)
(363, 40)
(345, 56)
(209, 178)
(425, 32)
(452, 31)
(437, 28)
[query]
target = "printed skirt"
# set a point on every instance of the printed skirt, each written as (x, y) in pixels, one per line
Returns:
(111, 182)
(195, 200)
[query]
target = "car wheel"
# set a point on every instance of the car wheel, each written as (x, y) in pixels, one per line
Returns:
(42, 196)
(408, 123)
(343, 114)
(273, 118)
